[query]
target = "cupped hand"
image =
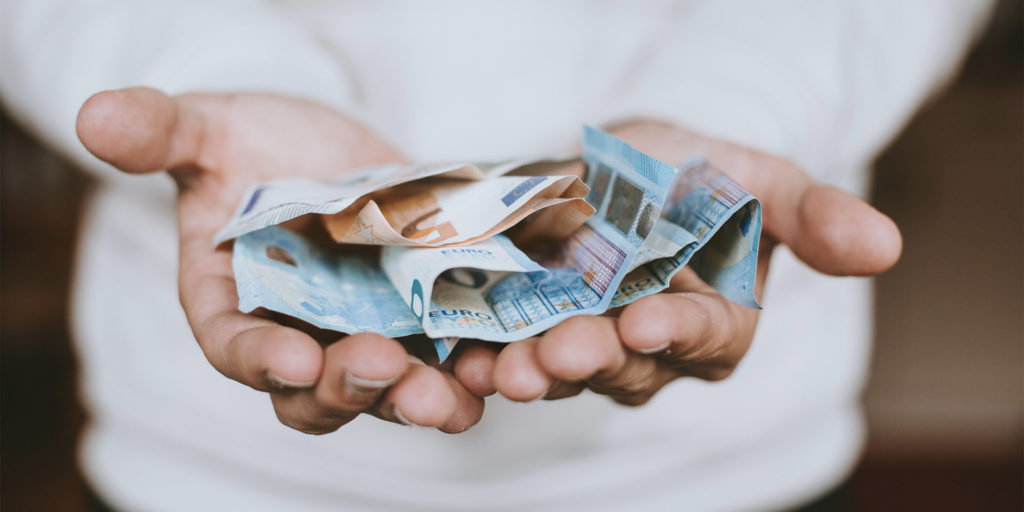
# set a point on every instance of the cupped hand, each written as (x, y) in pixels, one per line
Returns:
(215, 146)
(689, 330)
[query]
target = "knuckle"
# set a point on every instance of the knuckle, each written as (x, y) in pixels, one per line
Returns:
(560, 390)
(303, 412)
(317, 431)
(725, 339)
(699, 355)
(342, 399)
(632, 385)
(732, 326)
(304, 425)
(710, 368)
(719, 373)
(712, 371)
(637, 380)
(633, 400)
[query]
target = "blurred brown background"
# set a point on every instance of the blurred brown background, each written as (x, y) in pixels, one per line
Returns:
(945, 397)
(944, 401)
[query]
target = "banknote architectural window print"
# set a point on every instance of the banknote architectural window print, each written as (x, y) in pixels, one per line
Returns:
(396, 273)
(624, 204)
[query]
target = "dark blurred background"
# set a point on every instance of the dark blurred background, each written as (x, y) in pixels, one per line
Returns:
(945, 397)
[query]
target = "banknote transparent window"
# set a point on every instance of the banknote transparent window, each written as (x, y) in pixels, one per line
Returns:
(466, 277)
(625, 204)
(599, 185)
(277, 253)
(647, 218)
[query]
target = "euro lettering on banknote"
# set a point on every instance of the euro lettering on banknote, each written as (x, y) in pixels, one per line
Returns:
(490, 290)
(583, 272)
(278, 270)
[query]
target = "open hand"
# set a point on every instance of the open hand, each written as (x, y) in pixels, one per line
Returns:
(215, 146)
(689, 329)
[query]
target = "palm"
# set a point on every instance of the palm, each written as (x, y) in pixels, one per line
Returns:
(690, 329)
(250, 138)
(218, 145)
(215, 147)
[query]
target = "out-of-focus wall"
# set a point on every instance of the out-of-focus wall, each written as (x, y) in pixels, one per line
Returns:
(946, 381)
(40, 200)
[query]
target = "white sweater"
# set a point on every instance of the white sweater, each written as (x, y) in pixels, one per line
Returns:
(824, 83)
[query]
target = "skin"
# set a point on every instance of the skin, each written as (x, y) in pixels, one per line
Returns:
(689, 330)
(217, 145)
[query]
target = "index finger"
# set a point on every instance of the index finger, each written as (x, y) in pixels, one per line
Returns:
(255, 351)
(691, 326)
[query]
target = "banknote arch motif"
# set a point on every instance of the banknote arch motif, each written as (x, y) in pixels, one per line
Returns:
(649, 220)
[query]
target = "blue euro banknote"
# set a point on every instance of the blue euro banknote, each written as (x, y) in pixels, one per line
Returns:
(711, 224)
(491, 290)
(582, 273)
(278, 270)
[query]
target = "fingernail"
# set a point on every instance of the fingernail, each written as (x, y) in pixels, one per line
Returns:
(403, 420)
(363, 386)
(654, 350)
(279, 383)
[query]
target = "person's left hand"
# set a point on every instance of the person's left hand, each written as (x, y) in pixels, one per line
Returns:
(688, 329)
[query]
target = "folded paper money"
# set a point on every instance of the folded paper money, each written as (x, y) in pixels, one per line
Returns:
(490, 289)
(419, 205)
(712, 220)
(449, 212)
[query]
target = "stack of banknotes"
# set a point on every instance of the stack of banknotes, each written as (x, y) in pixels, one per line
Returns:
(439, 264)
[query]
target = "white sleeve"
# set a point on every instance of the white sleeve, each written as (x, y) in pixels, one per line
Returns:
(56, 53)
(815, 81)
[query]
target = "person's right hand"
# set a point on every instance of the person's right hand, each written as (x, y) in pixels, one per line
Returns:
(215, 146)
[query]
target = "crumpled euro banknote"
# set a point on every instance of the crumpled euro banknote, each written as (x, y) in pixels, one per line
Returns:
(449, 212)
(582, 272)
(434, 204)
(491, 290)
(712, 224)
(278, 270)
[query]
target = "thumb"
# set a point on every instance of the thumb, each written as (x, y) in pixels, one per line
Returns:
(140, 130)
(839, 234)
(829, 229)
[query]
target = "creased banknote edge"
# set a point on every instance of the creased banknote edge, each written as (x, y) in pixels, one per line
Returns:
(600, 146)
(372, 207)
(755, 250)
(251, 299)
(700, 245)
(469, 171)
(231, 232)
